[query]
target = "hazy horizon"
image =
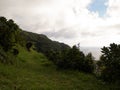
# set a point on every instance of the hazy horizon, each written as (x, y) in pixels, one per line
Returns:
(96, 51)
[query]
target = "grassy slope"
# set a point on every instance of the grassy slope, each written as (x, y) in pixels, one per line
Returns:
(33, 71)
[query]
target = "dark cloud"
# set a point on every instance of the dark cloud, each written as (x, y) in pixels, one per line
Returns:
(89, 34)
(114, 26)
(117, 26)
(63, 33)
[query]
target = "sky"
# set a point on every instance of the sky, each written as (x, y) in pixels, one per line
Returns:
(98, 6)
(92, 23)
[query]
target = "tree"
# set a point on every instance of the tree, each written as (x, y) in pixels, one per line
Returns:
(110, 63)
(72, 59)
(8, 31)
(89, 63)
(76, 58)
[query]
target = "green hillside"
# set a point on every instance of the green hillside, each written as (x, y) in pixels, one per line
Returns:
(32, 71)
(42, 43)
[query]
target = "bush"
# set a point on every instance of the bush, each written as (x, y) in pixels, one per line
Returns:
(15, 51)
(28, 46)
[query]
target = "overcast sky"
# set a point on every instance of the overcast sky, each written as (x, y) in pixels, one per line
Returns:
(92, 23)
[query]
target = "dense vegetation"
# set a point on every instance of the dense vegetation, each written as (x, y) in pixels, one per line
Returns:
(72, 59)
(110, 63)
(8, 33)
(24, 67)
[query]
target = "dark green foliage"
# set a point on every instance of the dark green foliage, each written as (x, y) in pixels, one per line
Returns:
(110, 63)
(28, 45)
(6, 57)
(8, 33)
(3, 57)
(89, 63)
(15, 51)
(75, 58)
(72, 59)
(10, 38)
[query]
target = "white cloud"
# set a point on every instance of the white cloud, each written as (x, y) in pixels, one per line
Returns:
(68, 21)
(113, 8)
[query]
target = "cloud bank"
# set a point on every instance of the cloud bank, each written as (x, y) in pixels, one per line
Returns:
(68, 21)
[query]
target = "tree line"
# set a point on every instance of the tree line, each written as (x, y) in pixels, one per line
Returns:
(107, 68)
(72, 58)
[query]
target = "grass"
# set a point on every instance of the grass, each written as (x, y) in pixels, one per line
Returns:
(32, 71)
